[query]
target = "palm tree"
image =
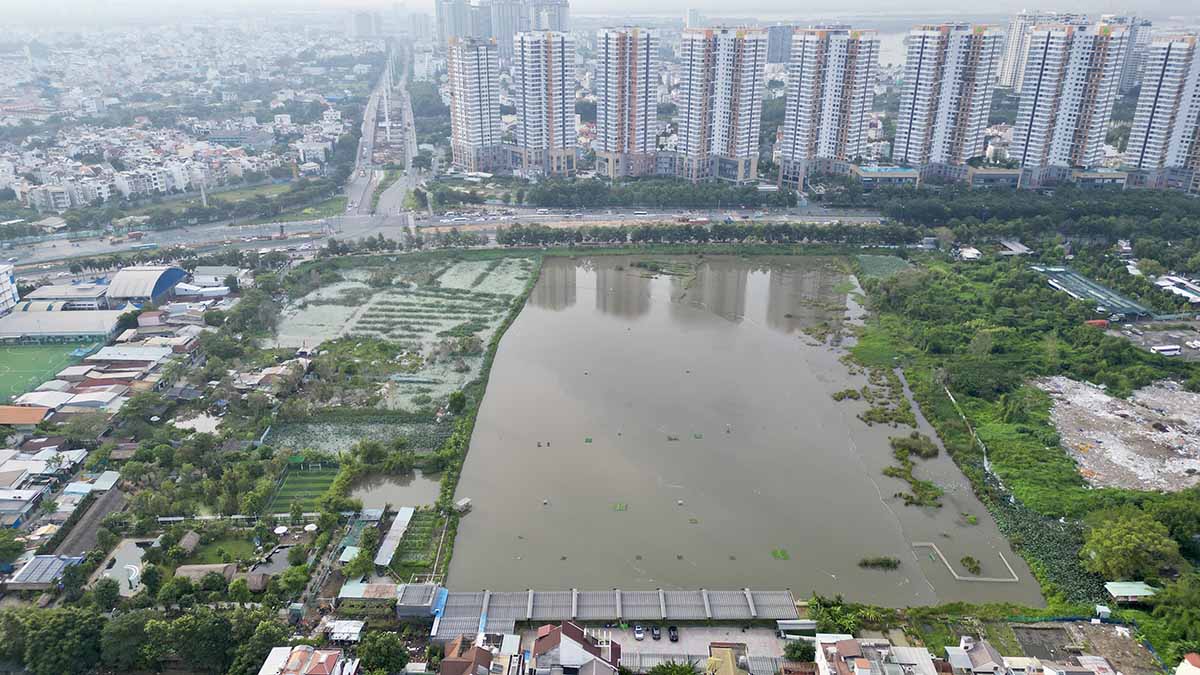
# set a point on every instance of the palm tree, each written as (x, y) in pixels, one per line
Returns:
(675, 668)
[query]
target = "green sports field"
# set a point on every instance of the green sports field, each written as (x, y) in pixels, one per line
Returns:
(24, 367)
(303, 486)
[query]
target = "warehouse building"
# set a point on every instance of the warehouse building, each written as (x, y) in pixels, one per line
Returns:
(67, 297)
(142, 284)
(35, 327)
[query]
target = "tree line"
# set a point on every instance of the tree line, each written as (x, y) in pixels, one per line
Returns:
(728, 233)
(655, 192)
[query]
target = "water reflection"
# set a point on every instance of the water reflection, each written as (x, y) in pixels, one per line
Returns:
(622, 292)
(556, 288)
(414, 489)
(692, 449)
(795, 298)
(720, 288)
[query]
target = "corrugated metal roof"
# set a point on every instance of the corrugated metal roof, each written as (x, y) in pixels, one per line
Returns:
(387, 549)
(142, 281)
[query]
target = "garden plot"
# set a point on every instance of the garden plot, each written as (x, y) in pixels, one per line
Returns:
(337, 437)
(464, 275)
(1149, 441)
(449, 325)
(321, 315)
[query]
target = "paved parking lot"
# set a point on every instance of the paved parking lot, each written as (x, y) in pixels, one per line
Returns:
(693, 640)
(1151, 338)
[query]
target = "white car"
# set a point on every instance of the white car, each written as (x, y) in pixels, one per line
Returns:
(639, 633)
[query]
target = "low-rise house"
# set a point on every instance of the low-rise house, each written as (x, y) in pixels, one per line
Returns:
(975, 657)
(41, 573)
(1130, 591)
(1190, 665)
(17, 506)
(215, 275)
(22, 418)
(189, 541)
(195, 573)
(306, 660)
(463, 657)
(357, 598)
(727, 658)
(569, 646)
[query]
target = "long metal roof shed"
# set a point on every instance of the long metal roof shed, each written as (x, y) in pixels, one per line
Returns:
(391, 542)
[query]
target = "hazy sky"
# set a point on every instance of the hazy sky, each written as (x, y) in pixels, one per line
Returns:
(74, 12)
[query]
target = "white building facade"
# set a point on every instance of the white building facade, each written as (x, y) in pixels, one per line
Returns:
(1165, 138)
(473, 69)
(1016, 46)
(544, 93)
(626, 88)
(1072, 74)
(949, 76)
(831, 80)
(722, 73)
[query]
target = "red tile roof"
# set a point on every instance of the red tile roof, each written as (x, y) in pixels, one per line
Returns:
(20, 415)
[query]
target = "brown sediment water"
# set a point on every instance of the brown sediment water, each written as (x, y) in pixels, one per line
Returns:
(675, 429)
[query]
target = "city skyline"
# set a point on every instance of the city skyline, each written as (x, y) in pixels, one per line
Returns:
(93, 12)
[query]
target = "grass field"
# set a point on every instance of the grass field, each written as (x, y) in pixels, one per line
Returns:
(304, 486)
(334, 206)
(231, 196)
(23, 368)
(210, 553)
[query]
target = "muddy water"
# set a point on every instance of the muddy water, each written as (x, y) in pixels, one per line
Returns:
(688, 439)
(415, 489)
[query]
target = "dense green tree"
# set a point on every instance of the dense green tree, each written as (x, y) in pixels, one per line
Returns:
(124, 642)
(106, 593)
(10, 548)
(1129, 546)
(383, 651)
(249, 654)
(799, 650)
(201, 639)
(61, 641)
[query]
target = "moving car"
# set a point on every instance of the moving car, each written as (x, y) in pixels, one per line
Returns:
(639, 633)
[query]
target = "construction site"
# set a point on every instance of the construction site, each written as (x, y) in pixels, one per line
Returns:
(1148, 441)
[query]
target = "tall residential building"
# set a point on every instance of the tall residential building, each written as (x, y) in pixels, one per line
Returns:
(1016, 46)
(509, 17)
(544, 92)
(1165, 137)
(693, 19)
(779, 43)
(626, 87)
(831, 81)
(420, 27)
(721, 73)
(1071, 78)
(474, 75)
(453, 20)
(1136, 43)
(949, 75)
(552, 15)
(8, 289)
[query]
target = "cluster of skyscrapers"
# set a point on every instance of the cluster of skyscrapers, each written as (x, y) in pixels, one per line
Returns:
(1068, 72)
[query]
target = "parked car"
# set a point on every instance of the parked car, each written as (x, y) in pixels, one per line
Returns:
(656, 632)
(639, 633)
(673, 633)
